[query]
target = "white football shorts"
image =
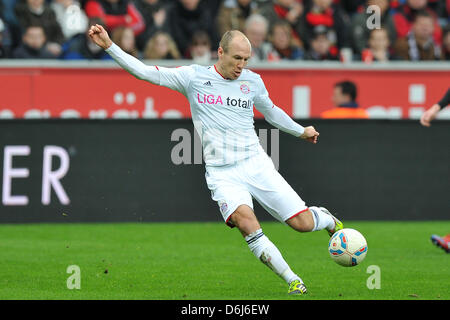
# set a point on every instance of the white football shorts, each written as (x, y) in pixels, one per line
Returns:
(254, 177)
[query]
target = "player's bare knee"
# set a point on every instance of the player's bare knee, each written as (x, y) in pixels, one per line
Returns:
(246, 225)
(245, 220)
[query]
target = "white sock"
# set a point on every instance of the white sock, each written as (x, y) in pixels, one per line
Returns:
(268, 254)
(322, 220)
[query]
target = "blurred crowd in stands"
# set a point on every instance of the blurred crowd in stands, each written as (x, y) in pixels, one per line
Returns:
(414, 30)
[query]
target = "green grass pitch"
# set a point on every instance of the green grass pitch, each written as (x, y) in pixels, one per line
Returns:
(210, 261)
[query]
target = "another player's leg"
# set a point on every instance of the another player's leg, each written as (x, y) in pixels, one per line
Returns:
(441, 242)
(245, 220)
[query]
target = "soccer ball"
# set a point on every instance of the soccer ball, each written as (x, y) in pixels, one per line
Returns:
(347, 247)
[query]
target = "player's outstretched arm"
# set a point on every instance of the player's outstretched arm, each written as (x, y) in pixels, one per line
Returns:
(281, 120)
(432, 112)
(138, 69)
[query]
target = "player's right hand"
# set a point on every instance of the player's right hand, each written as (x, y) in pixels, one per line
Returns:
(99, 35)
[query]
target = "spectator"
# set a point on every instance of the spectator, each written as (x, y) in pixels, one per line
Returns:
(116, 13)
(344, 98)
(124, 38)
(284, 45)
(405, 16)
(33, 45)
(360, 31)
(81, 47)
(379, 47)
(325, 12)
(161, 46)
(4, 50)
(447, 13)
(70, 17)
(212, 6)
(395, 4)
(8, 15)
(438, 6)
(256, 29)
(38, 13)
(419, 45)
(321, 47)
(233, 14)
(185, 18)
(200, 49)
(446, 43)
(286, 10)
(154, 13)
(351, 7)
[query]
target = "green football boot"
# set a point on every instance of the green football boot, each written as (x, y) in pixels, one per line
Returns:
(338, 224)
(297, 288)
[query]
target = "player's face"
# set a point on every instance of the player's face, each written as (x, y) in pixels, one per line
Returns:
(234, 61)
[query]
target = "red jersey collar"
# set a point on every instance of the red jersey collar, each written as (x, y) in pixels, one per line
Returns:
(215, 68)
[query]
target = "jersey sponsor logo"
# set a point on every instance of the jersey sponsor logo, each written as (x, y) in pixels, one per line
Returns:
(208, 84)
(212, 99)
(209, 99)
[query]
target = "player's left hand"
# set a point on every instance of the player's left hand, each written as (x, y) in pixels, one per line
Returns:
(429, 115)
(310, 134)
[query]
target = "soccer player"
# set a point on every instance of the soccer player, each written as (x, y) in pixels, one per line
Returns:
(432, 112)
(427, 117)
(221, 98)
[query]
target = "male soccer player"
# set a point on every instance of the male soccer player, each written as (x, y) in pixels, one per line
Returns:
(425, 120)
(222, 97)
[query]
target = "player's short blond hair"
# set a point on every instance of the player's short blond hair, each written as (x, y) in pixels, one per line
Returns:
(228, 36)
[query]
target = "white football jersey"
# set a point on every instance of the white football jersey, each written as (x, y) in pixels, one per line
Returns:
(222, 109)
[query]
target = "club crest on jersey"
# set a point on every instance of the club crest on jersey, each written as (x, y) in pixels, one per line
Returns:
(245, 88)
(223, 206)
